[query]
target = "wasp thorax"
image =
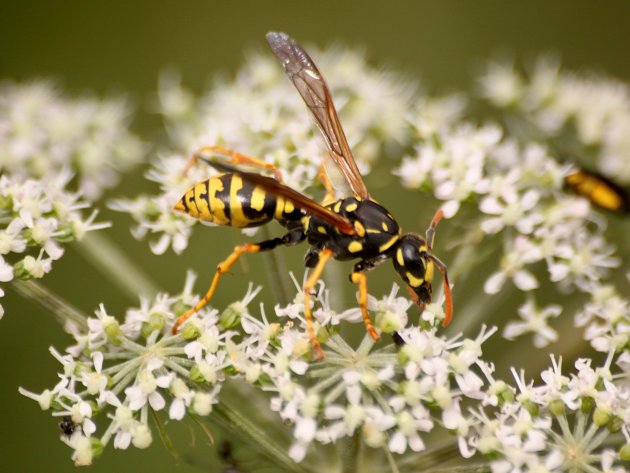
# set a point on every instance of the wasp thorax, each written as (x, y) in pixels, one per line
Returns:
(412, 261)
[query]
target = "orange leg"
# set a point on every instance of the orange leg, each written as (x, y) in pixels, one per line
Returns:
(223, 267)
(448, 299)
(324, 256)
(430, 235)
(361, 280)
(235, 158)
(323, 177)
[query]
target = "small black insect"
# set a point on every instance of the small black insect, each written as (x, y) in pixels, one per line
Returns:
(67, 426)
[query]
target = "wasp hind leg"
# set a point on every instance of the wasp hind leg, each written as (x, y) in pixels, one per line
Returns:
(291, 238)
(323, 258)
(235, 158)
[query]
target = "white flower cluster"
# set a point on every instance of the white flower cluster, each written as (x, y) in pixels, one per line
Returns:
(36, 218)
(117, 372)
(42, 132)
(394, 394)
(518, 191)
(589, 114)
(568, 423)
(606, 318)
(260, 114)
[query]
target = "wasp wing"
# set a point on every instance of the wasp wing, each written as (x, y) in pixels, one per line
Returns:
(313, 89)
(299, 200)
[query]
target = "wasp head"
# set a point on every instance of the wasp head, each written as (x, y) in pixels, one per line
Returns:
(415, 266)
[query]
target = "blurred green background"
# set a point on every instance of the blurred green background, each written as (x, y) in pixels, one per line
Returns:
(120, 47)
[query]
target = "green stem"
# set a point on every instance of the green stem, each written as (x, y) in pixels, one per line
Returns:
(63, 311)
(351, 455)
(106, 257)
(256, 437)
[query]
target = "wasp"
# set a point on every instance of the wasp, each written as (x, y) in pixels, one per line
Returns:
(600, 190)
(351, 228)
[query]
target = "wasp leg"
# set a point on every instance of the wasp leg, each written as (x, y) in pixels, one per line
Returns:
(448, 300)
(361, 280)
(323, 177)
(359, 277)
(430, 235)
(291, 238)
(324, 256)
(235, 158)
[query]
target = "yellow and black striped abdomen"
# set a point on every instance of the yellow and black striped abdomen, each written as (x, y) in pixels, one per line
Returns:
(227, 199)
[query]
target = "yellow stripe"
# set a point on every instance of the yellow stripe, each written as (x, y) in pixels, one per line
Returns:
(257, 202)
(385, 227)
(201, 202)
(237, 216)
(217, 206)
(321, 229)
(387, 245)
(399, 257)
(428, 274)
(414, 281)
(351, 207)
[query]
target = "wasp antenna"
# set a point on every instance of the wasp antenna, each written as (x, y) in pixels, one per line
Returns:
(430, 235)
(448, 299)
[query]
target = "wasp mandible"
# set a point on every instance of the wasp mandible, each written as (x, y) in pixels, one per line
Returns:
(350, 228)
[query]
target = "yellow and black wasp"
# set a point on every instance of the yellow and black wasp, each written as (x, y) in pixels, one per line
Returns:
(354, 227)
(600, 190)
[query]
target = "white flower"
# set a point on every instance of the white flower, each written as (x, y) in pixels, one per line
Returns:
(534, 321)
(513, 266)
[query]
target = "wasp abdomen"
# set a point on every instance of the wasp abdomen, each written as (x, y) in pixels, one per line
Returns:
(228, 199)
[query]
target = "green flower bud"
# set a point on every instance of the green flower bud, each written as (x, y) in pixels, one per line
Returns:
(587, 404)
(557, 407)
(531, 407)
(156, 322)
(191, 331)
(179, 307)
(624, 452)
(601, 417)
(231, 316)
(614, 424)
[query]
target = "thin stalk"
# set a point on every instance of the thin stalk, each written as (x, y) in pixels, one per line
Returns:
(63, 311)
(256, 437)
(391, 461)
(106, 257)
(351, 455)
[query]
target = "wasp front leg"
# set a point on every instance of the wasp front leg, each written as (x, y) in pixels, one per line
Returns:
(235, 158)
(359, 278)
(291, 238)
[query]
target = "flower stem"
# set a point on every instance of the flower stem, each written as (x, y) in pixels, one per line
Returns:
(351, 453)
(63, 311)
(259, 439)
(106, 257)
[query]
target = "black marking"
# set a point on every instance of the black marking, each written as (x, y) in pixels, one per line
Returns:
(185, 204)
(224, 195)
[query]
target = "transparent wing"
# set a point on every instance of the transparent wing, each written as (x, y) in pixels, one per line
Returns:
(313, 89)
